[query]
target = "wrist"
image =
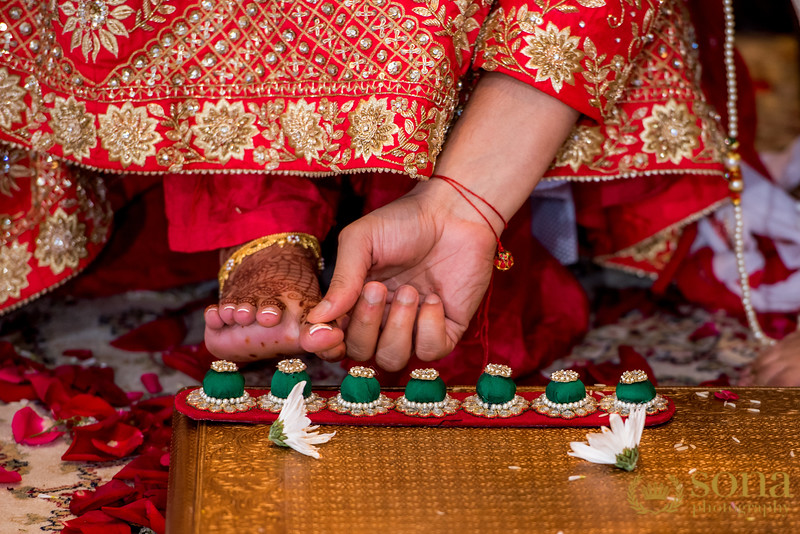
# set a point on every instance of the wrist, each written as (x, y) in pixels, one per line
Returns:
(461, 205)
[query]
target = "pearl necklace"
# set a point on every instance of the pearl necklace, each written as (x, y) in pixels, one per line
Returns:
(734, 176)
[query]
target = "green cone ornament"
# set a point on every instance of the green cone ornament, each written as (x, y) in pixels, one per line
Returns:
(426, 396)
(496, 394)
(634, 389)
(222, 391)
(289, 373)
(360, 394)
(565, 397)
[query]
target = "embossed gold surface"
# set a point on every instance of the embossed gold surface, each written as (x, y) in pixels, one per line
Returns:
(228, 478)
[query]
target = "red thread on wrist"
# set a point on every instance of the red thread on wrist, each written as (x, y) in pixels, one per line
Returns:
(503, 260)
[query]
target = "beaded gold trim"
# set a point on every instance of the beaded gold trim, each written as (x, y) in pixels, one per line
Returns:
(582, 408)
(498, 369)
(308, 242)
(448, 406)
(564, 375)
(425, 374)
(359, 409)
(476, 406)
(271, 403)
(632, 377)
(362, 372)
(198, 399)
(611, 404)
(291, 366)
(224, 366)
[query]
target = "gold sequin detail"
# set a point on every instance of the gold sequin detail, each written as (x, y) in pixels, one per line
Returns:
(371, 128)
(564, 375)
(224, 366)
(11, 99)
(425, 374)
(290, 366)
(14, 270)
(128, 134)
(225, 130)
(498, 369)
(73, 128)
(301, 125)
(362, 372)
(582, 146)
(61, 242)
(96, 24)
(554, 55)
(670, 132)
(631, 377)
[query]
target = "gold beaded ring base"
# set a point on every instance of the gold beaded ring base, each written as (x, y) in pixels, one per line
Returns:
(380, 405)
(271, 403)
(476, 406)
(611, 404)
(448, 406)
(570, 410)
(198, 399)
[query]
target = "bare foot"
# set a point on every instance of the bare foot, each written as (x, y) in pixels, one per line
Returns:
(777, 366)
(262, 310)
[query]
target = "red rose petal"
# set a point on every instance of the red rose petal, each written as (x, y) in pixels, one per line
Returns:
(151, 383)
(134, 396)
(9, 477)
(112, 492)
(141, 512)
(146, 468)
(27, 427)
(193, 361)
(12, 375)
(84, 405)
(165, 460)
(726, 395)
(709, 329)
(106, 440)
(96, 522)
(121, 442)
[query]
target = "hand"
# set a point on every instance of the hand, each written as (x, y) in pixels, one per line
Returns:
(413, 273)
(778, 365)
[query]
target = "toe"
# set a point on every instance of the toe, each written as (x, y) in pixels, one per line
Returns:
(245, 314)
(227, 311)
(213, 320)
(270, 312)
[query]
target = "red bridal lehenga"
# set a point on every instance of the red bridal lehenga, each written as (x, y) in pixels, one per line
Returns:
(253, 111)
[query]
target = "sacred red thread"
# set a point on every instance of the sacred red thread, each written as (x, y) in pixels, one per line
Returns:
(503, 259)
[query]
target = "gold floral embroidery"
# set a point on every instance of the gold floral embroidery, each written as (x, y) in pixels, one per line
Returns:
(225, 130)
(371, 128)
(583, 144)
(301, 125)
(73, 127)
(554, 55)
(462, 24)
(14, 269)
(96, 24)
(128, 134)
(670, 132)
(61, 242)
(11, 99)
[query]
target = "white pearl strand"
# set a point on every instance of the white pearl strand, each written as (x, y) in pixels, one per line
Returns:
(736, 182)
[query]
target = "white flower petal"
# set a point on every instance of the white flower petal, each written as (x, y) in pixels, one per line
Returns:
(584, 451)
(603, 447)
(297, 427)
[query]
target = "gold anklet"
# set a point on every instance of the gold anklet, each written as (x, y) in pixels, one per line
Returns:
(308, 242)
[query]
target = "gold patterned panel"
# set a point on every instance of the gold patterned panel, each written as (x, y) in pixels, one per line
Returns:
(713, 468)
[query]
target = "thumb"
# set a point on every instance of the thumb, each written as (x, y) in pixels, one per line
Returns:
(353, 260)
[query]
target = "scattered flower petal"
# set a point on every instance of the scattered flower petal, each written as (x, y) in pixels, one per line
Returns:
(29, 428)
(726, 395)
(151, 383)
(292, 429)
(576, 477)
(81, 354)
(9, 477)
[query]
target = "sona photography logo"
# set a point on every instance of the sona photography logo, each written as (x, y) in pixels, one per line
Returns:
(751, 493)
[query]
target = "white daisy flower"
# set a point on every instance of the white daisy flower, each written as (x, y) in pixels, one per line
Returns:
(292, 429)
(618, 446)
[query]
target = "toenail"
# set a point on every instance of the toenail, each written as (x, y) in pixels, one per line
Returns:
(243, 310)
(319, 326)
(269, 312)
(230, 307)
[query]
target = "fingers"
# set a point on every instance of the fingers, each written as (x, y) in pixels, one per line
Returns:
(432, 341)
(365, 322)
(395, 342)
(353, 261)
